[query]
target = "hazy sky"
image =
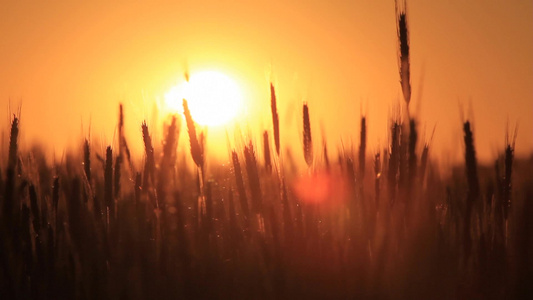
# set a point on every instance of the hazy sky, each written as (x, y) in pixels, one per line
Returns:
(71, 62)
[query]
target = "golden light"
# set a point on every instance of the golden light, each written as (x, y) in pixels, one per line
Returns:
(214, 99)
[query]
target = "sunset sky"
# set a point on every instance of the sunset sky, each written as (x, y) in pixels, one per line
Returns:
(69, 64)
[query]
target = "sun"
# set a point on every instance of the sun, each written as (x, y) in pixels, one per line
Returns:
(214, 99)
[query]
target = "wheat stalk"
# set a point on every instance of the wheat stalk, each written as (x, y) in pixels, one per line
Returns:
(413, 138)
(120, 130)
(507, 179)
(308, 141)
(196, 148)
(326, 157)
(471, 164)
(240, 184)
(253, 178)
(168, 159)
(394, 161)
(377, 178)
(13, 144)
(266, 152)
(362, 148)
(275, 118)
(8, 201)
(403, 170)
(149, 167)
(473, 186)
(116, 177)
(87, 160)
(424, 161)
(403, 55)
(108, 182)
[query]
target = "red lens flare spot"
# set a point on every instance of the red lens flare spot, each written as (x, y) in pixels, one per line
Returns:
(320, 188)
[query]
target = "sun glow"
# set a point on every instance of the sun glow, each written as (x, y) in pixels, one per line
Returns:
(213, 98)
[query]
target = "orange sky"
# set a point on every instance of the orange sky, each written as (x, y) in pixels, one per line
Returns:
(71, 63)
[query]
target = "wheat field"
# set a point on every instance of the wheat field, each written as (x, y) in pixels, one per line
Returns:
(362, 225)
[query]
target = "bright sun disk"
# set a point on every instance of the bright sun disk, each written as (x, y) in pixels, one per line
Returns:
(213, 98)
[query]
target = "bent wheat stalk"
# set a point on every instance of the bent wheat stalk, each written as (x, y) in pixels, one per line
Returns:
(196, 149)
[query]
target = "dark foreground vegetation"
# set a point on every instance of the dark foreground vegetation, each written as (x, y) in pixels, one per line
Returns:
(384, 225)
